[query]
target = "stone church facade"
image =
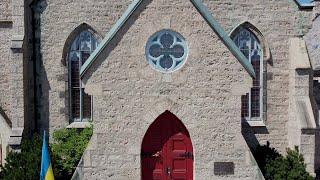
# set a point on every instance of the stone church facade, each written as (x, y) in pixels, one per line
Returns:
(174, 89)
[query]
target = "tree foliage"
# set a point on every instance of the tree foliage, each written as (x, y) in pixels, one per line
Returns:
(24, 165)
(274, 166)
(67, 149)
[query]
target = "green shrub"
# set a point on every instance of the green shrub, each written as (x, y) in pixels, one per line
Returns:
(24, 165)
(291, 167)
(276, 167)
(264, 155)
(67, 149)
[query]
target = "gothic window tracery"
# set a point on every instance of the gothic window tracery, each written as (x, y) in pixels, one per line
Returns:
(251, 103)
(166, 51)
(80, 102)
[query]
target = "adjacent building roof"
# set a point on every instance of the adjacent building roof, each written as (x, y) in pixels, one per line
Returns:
(202, 9)
(305, 3)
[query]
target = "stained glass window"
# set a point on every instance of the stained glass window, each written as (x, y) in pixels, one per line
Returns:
(166, 51)
(81, 103)
(251, 103)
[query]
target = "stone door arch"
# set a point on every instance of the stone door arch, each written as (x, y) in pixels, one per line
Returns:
(167, 151)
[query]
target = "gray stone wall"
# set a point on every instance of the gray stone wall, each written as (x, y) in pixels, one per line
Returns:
(277, 20)
(307, 148)
(5, 10)
(11, 60)
(16, 86)
(5, 68)
(58, 22)
(6, 34)
(204, 94)
(4, 137)
(313, 43)
(11, 67)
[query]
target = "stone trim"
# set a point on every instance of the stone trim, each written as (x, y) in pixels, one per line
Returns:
(17, 42)
(15, 139)
(75, 32)
(310, 131)
(79, 125)
(255, 123)
(264, 45)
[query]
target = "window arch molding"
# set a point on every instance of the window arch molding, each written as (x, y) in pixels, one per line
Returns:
(81, 42)
(73, 35)
(257, 33)
(256, 43)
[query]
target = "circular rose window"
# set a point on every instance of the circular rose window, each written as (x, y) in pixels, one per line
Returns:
(166, 51)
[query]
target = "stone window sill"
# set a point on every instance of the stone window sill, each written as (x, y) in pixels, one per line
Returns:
(79, 125)
(255, 123)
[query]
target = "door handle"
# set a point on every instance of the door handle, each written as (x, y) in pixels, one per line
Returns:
(168, 169)
(158, 154)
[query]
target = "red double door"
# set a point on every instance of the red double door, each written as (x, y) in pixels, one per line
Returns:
(167, 152)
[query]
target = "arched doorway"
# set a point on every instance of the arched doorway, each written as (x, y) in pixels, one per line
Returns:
(167, 151)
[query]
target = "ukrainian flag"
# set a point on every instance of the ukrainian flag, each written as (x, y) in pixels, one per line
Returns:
(46, 168)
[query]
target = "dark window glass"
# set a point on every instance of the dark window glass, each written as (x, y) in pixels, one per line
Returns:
(166, 51)
(75, 103)
(166, 62)
(250, 47)
(80, 50)
(86, 105)
(255, 102)
(244, 106)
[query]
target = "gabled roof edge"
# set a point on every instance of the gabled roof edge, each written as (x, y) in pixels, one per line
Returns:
(123, 19)
(202, 9)
(215, 26)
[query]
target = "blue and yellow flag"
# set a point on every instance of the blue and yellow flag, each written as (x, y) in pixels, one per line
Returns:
(46, 168)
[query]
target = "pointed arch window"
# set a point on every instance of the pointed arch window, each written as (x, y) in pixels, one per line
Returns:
(80, 102)
(251, 103)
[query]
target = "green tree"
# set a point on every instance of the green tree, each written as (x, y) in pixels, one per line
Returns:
(67, 149)
(291, 167)
(276, 167)
(24, 165)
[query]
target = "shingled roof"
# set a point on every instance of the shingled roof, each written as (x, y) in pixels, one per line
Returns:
(202, 9)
